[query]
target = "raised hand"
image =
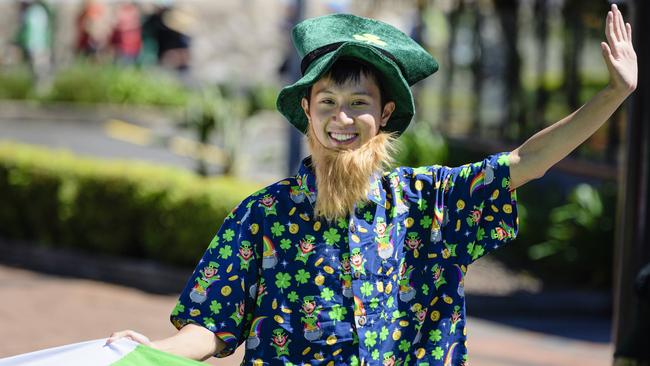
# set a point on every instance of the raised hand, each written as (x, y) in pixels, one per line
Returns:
(619, 54)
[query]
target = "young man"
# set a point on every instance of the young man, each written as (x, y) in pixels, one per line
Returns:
(351, 262)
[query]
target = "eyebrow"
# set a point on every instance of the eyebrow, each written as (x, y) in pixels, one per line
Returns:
(359, 92)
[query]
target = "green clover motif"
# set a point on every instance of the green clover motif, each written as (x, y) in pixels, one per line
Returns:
(437, 353)
(366, 289)
(338, 313)
(228, 235)
(504, 160)
(383, 334)
(480, 234)
(225, 252)
(342, 223)
(214, 243)
(368, 216)
(371, 339)
(375, 354)
(389, 302)
(464, 172)
(331, 236)
(435, 335)
(215, 307)
(327, 294)
(293, 296)
(277, 229)
(302, 276)
(179, 308)
(426, 221)
(209, 323)
(475, 250)
(404, 345)
(282, 280)
(374, 303)
(285, 244)
(425, 289)
(422, 204)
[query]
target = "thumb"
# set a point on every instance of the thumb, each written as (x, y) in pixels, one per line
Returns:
(607, 54)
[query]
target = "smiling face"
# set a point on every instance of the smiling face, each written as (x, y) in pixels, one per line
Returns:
(345, 108)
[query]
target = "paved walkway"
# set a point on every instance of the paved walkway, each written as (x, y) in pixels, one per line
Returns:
(40, 311)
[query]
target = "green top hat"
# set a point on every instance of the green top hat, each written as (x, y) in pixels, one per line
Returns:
(398, 58)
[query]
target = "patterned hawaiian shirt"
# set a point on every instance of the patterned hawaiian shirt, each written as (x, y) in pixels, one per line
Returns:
(381, 287)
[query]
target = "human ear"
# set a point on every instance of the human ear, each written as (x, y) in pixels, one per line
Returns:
(304, 103)
(389, 108)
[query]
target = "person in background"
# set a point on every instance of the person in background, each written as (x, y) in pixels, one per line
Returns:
(92, 29)
(34, 38)
(126, 39)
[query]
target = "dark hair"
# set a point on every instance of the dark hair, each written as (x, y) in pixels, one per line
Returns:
(348, 69)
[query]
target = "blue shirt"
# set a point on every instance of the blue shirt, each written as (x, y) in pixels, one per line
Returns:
(383, 286)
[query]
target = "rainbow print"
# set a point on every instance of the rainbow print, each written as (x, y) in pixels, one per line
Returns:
(226, 337)
(477, 183)
(269, 248)
(256, 326)
(439, 213)
(450, 354)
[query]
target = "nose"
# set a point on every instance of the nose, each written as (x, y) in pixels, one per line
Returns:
(343, 117)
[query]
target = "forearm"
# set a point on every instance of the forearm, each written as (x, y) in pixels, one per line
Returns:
(192, 341)
(544, 149)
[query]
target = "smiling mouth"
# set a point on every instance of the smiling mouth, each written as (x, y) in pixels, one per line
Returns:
(342, 137)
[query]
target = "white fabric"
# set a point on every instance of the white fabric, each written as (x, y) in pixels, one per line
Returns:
(91, 353)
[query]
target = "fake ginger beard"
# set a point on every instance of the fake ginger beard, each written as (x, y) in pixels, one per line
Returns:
(343, 176)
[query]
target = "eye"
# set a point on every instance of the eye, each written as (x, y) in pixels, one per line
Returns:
(359, 102)
(326, 101)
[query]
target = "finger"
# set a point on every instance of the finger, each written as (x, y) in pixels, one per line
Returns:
(615, 24)
(607, 52)
(609, 31)
(621, 24)
(629, 32)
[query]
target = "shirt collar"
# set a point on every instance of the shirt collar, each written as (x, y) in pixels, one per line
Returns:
(376, 194)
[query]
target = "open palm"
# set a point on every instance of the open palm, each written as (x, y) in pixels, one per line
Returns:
(619, 53)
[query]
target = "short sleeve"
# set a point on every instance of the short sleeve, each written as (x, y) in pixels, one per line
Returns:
(220, 294)
(479, 211)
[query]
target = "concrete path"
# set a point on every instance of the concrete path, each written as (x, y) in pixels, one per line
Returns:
(40, 311)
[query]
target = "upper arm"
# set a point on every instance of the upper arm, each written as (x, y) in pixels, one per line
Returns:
(522, 169)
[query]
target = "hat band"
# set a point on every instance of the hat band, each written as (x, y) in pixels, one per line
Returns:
(320, 51)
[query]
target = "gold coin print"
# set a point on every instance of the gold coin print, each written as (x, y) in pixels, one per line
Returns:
(233, 277)
(418, 185)
(397, 334)
(380, 286)
(226, 290)
(328, 269)
(390, 270)
(420, 353)
(495, 194)
(304, 216)
(255, 228)
(447, 299)
(306, 351)
(331, 363)
(278, 319)
(355, 238)
(403, 323)
(258, 362)
(195, 312)
(387, 205)
(435, 315)
(457, 224)
(507, 208)
(337, 352)
(318, 356)
(389, 288)
(292, 211)
(293, 228)
(495, 208)
(319, 261)
(331, 340)
(434, 300)
(489, 218)
(286, 310)
(229, 268)
(362, 229)
(319, 280)
(274, 304)
(460, 204)
(317, 226)
(409, 222)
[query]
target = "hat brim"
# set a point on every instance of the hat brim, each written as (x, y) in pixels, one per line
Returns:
(395, 86)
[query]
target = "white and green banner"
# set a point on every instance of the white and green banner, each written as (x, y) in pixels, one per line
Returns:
(124, 352)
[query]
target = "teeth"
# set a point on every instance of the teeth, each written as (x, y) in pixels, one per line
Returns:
(342, 136)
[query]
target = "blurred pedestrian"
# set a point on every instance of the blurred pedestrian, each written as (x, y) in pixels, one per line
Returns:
(34, 38)
(169, 28)
(126, 38)
(93, 26)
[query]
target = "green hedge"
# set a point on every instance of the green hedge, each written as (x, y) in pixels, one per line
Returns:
(111, 207)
